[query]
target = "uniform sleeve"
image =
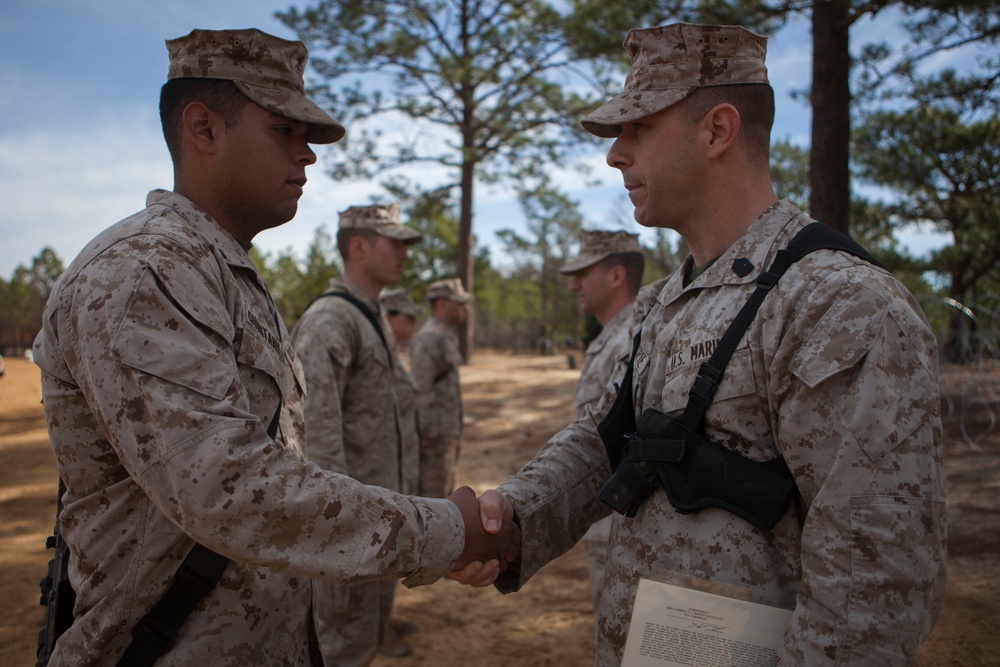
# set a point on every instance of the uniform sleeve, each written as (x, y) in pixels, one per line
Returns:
(325, 342)
(161, 374)
(858, 425)
(602, 363)
(556, 498)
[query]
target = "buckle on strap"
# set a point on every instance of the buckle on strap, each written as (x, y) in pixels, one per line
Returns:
(706, 383)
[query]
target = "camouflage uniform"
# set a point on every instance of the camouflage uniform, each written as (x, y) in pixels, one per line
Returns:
(837, 374)
(601, 363)
(351, 416)
(353, 426)
(406, 396)
(435, 359)
(163, 362)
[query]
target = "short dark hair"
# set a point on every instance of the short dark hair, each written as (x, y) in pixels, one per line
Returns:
(344, 237)
(220, 95)
(634, 264)
(753, 101)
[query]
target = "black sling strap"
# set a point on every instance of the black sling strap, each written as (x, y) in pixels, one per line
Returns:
(201, 570)
(366, 311)
(812, 237)
(373, 319)
(619, 423)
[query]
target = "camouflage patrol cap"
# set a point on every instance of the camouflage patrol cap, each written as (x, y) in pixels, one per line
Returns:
(399, 301)
(383, 219)
(450, 289)
(672, 61)
(267, 69)
(598, 244)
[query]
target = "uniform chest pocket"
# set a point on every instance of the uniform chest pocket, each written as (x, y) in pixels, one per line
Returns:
(738, 382)
(256, 355)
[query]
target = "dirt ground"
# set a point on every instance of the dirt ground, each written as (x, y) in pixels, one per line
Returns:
(513, 403)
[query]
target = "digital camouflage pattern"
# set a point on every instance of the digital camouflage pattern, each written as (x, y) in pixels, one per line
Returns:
(265, 68)
(598, 244)
(382, 219)
(602, 363)
(450, 288)
(163, 362)
(354, 427)
(399, 301)
(670, 62)
(406, 397)
(435, 360)
(837, 374)
(350, 408)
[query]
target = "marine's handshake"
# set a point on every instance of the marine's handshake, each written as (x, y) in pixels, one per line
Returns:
(492, 537)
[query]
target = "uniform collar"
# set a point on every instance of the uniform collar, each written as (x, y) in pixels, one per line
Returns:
(622, 315)
(232, 249)
(344, 286)
(745, 259)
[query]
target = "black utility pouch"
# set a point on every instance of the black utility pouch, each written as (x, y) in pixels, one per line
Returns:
(704, 473)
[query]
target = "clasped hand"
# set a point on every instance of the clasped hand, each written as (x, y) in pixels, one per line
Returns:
(492, 538)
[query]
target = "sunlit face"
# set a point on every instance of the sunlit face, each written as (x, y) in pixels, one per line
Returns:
(454, 312)
(593, 287)
(261, 171)
(661, 166)
(385, 260)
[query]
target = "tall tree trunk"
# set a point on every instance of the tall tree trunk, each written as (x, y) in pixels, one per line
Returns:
(829, 176)
(464, 259)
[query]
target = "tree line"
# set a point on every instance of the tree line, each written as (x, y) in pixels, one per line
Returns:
(490, 91)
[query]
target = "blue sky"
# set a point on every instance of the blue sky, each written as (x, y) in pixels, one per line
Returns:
(80, 140)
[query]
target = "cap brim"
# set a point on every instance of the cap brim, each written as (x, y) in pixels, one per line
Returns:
(457, 298)
(400, 232)
(323, 130)
(607, 120)
(580, 263)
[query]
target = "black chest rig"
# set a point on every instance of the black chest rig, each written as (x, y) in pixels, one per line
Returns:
(695, 471)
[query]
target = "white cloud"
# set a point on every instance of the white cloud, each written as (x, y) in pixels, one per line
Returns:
(61, 186)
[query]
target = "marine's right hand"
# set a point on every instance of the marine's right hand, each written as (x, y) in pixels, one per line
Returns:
(492, 538)
(495, 517)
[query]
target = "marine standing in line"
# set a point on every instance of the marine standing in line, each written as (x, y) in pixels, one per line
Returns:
(606, 275)
(435, 359)
(402, 313)
(353, 426)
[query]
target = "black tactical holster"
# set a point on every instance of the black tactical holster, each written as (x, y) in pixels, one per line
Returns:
(697, 473)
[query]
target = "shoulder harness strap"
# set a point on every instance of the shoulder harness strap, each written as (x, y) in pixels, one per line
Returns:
(619, 423)
(812, 237)
(366, 311)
